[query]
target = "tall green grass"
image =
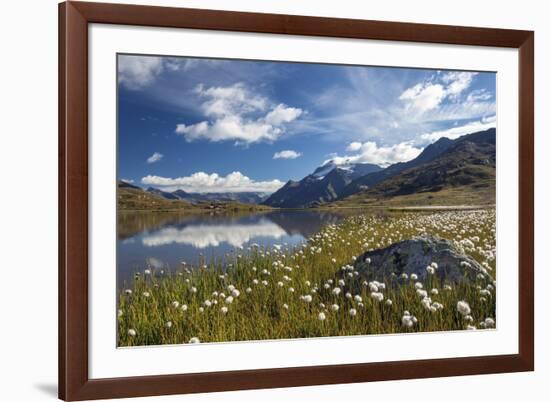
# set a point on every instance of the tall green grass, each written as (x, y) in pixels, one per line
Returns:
(151, 313)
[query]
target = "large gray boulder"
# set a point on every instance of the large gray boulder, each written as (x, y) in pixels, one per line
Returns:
(414, 255)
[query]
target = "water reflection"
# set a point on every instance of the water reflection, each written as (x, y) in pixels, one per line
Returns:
(202, 236)
(163, 240)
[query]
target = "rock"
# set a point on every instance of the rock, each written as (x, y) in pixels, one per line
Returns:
(414, 255)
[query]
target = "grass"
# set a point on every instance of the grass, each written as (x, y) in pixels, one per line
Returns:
(483, 193)
(271, 287)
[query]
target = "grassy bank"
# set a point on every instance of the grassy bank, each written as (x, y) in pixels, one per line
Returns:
(313, 290)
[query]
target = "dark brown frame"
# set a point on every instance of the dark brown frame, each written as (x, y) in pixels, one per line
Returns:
(74, 17)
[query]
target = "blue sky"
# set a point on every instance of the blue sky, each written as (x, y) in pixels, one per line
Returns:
(208, 125)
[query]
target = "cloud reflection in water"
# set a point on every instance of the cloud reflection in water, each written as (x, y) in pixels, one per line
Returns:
(202, 236)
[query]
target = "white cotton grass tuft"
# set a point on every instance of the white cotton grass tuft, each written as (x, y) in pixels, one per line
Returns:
(194, 340)
(307, 298)
(224, 310)
(336, 291)
(229, 300)
(414, 277)
(168, 324)
(132, 332)
(321, 316)
(377, 296)
(335, 307)
(389, 302)
(408, 320)
(489, 322)
(175, 304)
(285, 306)
(463, 308)
(353, 312)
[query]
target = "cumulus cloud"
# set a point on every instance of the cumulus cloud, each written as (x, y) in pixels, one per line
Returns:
(428, 95)
(282, 114)
(157, 156)
(354, 146)
(454, 132)
(201, 182)
(423, 97)
(135, 72)
(287, 154)
(370, 152)
(236, 113)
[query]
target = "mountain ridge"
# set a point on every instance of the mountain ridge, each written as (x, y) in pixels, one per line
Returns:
(323, 185)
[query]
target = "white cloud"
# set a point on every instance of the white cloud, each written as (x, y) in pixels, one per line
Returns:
(135, 72)
(157, 156)
(457, 82)
(478, 95)
(129, 181)
(282, 114)
(458, 131)
(370, 152)
(354, 147)
(428, 95)
(238, 114)
(287, 154)
(201, 182)
(202, 236)
(423, 97)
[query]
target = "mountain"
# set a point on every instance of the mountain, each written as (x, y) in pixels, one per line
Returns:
(134, 198)
(125, 184)
(325, 184)
(163, 194)
(431, 152)
(463, 168)
(131, 197)
(243, 198)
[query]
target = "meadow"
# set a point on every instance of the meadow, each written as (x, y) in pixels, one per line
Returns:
(314, 290)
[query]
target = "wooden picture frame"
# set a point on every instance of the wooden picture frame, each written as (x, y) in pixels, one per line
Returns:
(74, 381)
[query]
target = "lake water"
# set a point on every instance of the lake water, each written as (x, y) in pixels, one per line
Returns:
(164, 240)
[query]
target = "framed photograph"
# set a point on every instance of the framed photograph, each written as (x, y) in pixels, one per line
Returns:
(259, 200)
